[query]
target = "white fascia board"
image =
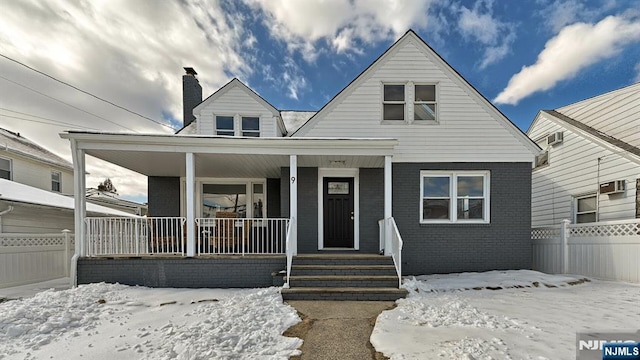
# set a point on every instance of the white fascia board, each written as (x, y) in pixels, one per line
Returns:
(234, 145)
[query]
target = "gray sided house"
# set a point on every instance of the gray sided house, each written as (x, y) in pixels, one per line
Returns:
(408, 161)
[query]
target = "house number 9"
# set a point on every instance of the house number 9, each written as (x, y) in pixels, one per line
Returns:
(293, 179)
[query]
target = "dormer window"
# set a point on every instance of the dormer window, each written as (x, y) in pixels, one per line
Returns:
(251, 126)
(394, 102)
(224, 126)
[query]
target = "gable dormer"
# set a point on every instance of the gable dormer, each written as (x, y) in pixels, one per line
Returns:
(236, 110)
(410, 93)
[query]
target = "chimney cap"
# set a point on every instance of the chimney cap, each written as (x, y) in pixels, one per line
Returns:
(190, 71)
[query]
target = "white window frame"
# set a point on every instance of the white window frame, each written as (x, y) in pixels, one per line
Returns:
(409, 103)
(384, 102)
(242, 130)
(59, 173)
(415, 102)
(575, 206)
(10, 167)
(233, 129)
(248, 182)
(453, 196)
(540, 141)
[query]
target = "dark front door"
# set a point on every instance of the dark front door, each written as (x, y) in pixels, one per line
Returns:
(338, 213)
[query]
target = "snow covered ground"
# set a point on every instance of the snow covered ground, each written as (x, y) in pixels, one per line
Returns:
(527, 315)
(105, 321)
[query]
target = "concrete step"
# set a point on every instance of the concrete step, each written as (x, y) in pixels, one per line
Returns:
(303, 270)
(356, 281)
(342, 259)
(344, 293)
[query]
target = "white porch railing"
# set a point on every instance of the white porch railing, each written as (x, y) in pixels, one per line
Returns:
(291, 247)
(134, 236)
(607, 250)
(241, 236)
(395, 243)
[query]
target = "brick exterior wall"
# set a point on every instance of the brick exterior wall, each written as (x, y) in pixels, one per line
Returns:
(163, 196)
(307, 207)
(505, 243)
(371, 209)
(273, 198)
(221, 272)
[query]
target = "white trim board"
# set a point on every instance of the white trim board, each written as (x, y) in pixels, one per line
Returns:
(346, 173)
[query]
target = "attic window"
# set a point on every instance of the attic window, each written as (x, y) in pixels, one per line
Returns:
(5, 169)
(224, 126)
(393, 102)
(424, 105)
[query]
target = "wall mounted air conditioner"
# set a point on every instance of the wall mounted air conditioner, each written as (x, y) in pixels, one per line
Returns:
(555, 138)
(612, 187)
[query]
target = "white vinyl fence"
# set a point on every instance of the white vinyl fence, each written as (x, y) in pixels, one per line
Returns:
(30, 258)
(608, 250)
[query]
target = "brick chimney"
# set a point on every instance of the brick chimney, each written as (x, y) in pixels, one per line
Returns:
(191, 95)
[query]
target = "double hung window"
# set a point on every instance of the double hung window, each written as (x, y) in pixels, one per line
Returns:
(5, 169)
(457, 197)
(224, 125)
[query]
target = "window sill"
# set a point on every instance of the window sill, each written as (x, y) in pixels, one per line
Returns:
(413, 123)
(443, 222)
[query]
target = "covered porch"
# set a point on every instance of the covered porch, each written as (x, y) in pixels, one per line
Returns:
(212, 195)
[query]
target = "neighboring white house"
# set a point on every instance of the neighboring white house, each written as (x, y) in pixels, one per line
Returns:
(32, 183)
(589, 169)
(114, 201)
(23, 161)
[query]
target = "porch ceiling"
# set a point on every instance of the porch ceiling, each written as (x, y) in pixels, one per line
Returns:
(164, 155)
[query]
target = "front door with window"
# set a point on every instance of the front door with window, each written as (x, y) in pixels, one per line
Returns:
(338, 216)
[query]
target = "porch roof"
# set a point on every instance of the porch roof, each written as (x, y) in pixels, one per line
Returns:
(225, 156)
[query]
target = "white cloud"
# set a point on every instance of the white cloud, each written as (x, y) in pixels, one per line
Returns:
(561, 13)
(340, 23)
(576, 47)
(130, 52)
(480, 26)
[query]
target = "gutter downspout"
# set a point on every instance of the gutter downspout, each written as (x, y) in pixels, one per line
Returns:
(4, 212)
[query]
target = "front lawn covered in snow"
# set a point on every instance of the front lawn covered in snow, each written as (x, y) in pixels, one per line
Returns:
(106, 321)
(502, 315)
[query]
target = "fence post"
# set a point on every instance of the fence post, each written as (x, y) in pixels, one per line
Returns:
(67, 241)
(564, 237)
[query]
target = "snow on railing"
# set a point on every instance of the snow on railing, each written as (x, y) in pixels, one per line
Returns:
(241, 236)
(134, 236)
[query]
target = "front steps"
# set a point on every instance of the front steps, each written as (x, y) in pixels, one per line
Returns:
(343, 277)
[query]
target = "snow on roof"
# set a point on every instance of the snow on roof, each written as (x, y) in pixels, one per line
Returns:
(16, 143)
(13, 191)
(294, 119)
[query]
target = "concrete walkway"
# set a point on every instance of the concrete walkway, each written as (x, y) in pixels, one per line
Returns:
(337, 329)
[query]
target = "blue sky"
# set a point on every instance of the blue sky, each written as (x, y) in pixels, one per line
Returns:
(522, 55)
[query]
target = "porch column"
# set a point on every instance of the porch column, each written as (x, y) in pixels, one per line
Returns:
(387, 204)
(191, 208)
(80, 207)
(293, 200)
